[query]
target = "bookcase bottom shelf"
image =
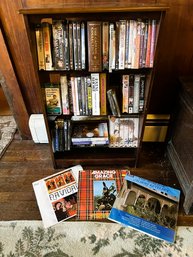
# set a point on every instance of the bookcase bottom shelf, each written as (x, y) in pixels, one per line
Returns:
(97, 157)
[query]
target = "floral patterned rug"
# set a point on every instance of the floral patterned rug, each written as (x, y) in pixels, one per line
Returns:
(7, 130)
(87, 239)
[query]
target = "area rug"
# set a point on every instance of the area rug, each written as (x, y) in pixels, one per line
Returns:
(7, 129)
(87, 239)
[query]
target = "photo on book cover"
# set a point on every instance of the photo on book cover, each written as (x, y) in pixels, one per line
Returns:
(56, 196)
(147, 206)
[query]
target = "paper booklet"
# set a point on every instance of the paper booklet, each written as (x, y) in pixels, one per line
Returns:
(147, 206)
(56, 195)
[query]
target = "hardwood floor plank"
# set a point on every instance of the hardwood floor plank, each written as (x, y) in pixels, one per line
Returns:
(25, 162)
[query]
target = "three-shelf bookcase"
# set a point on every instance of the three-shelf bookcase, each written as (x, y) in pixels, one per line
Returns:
(97, 154)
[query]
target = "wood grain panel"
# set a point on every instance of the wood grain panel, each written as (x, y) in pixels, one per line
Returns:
(12, 91)
(14, 29)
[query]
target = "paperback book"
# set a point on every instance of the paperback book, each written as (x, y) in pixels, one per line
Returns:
(56, 195)
(97, 193)
(147, 206)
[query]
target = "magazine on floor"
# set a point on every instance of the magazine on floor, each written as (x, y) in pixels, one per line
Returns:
(56, 195)
(147, 206)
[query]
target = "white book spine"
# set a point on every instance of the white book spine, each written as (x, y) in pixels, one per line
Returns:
(122, 36)
(111, 47)
(95, 84)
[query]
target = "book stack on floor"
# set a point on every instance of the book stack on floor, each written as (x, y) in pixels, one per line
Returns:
(108, 195)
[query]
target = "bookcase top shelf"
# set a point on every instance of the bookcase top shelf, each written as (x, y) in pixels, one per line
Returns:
(85, 9)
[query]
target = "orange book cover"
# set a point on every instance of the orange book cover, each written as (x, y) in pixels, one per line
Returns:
(103, 93)
(97, 192)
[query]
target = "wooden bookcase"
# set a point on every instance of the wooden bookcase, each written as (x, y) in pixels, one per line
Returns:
(97, 155)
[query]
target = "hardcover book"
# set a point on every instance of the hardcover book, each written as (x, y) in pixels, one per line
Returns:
(97, 193)
(147, 206)
(56, 195)
(94, 32)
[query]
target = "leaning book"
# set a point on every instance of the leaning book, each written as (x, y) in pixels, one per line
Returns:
(97, 193)
(56, 195)
(148, 207)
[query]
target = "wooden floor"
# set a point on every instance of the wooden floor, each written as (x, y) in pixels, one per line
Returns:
(25, 162)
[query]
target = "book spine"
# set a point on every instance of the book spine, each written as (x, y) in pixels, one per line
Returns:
(74, 96)
(137, 45)
(40, 47)
(142, 44)
(117, 39)
(131, 92)
(145, 44)
(64, 95)
(75, 47)
(58, 44)
(133, 48)
(136, 93)
(118, 113)
(122, 38)
(83, 95)
(68, 135)
(65, 135)
(66, 46)
(56, 138)
(70, 96)
(111, 47)
(127, 45)
(153, 40)
(71, 57)
(95, 83)
(105, 40)
(131, 25)
(46, 29)
(103, 100)
(83, 46)
(94, 35)
(89, 95)
(147, 60)
(112, 104)
(142, 93)
(79, 46)
(61, 136)
(125, 94)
